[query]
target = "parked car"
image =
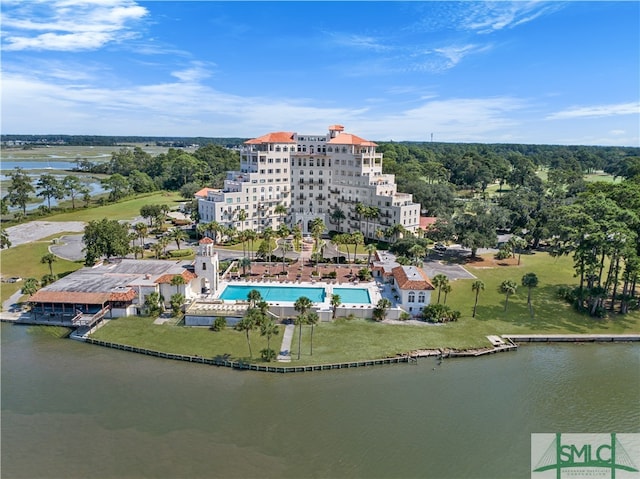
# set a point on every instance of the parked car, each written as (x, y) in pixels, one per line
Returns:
(440, 247)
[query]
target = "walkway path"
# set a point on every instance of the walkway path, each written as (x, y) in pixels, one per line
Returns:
(285, 349)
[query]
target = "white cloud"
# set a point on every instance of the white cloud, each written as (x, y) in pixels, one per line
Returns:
(68, 25)
(597, 111)
(487, 17)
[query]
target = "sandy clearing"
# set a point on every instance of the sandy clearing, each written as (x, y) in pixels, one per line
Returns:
(35, 230)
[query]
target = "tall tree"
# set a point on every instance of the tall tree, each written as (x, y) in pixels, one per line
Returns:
(476, 286)
(248, 323)
(49, 259)
(312, 319)
(530, 281)
(302, 305)
(439, 280)
(336, 301)
(20, 189)
(5, 242)
(268, 328)
(105, 238)
(508, 287)
(338, 216)
(73, 188)
(49, 187)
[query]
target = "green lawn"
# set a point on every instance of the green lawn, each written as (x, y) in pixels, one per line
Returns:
(127, 209)
(24, 261)
(350, 340)
(141, 332)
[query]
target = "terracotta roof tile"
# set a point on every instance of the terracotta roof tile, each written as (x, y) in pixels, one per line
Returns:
(336, 127)
(411, 277)
(206, 240)
(166, 278)
(203, 192)
(276, 137)
(349, 139)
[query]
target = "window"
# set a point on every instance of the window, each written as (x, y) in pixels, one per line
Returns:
(420, 297)
(204, 266)
(412, 297)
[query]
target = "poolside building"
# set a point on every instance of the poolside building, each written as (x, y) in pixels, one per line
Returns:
(312, 176)
(120, 287)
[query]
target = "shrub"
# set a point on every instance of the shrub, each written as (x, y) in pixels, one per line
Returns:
(503, 253)
(439, 313)
(179, 253)
(219, 324)
(268, 354)
(404, 316)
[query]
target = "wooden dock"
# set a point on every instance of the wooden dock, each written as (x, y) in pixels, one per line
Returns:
(571, 338)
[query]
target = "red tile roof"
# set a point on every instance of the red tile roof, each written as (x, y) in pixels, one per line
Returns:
(206, 240)
(203, 192)
(426, 221)
(411, 277)
(276, 137)
(186, 275)
(336, 127)
(349, 139)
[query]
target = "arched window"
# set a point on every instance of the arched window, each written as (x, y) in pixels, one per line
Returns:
(412, 297)
(420, 297)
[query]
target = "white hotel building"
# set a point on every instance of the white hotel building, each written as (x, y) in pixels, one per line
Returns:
(311, 175)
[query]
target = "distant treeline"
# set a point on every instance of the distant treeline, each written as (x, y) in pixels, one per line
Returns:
(94, 140)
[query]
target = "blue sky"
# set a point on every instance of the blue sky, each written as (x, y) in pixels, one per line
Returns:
(513, 72)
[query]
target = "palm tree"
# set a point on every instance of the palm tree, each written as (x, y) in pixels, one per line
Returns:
(317, 228)
(269, 328)
(380, 311)
(281, 210)
(312, 319)
(30, 286)
(370, 249)
(137, 250)
(336, 301)
(476, 286)
(360, 210)
(49, 258)
(446, 289)
(530, 281)
(178, 235)
(357, 238)
(297, 236)
(267, 235)
(248, 323)
(141, 230)
(342, 239)
(254, 297)
(337, 216)
(242, 216)
(517, 243)
(213, 228)
(371, 213)
(176, 281)
(508, 287)
(439, 280)
(302, 305)
(250, 236)
(285, 248)
(244, 263)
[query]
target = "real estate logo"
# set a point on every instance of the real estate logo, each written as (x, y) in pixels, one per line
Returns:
(577, 456)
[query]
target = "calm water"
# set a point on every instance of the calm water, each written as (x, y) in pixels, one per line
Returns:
(274, 293)
(75, 410)
(353, 295)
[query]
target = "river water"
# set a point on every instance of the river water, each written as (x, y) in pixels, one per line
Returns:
(75, 410)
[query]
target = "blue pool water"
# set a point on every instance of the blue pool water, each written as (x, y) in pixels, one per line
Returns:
(274, 293)
(353, 295)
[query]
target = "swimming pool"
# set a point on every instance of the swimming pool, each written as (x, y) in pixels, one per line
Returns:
(274, 293)
(353, 295)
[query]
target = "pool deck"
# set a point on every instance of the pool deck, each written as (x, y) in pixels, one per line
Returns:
(372, 287)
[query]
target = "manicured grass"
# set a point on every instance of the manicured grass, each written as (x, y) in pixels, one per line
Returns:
(24, 261)
(141, 332)
(601, 176)
(350, 340)
(127, 209)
